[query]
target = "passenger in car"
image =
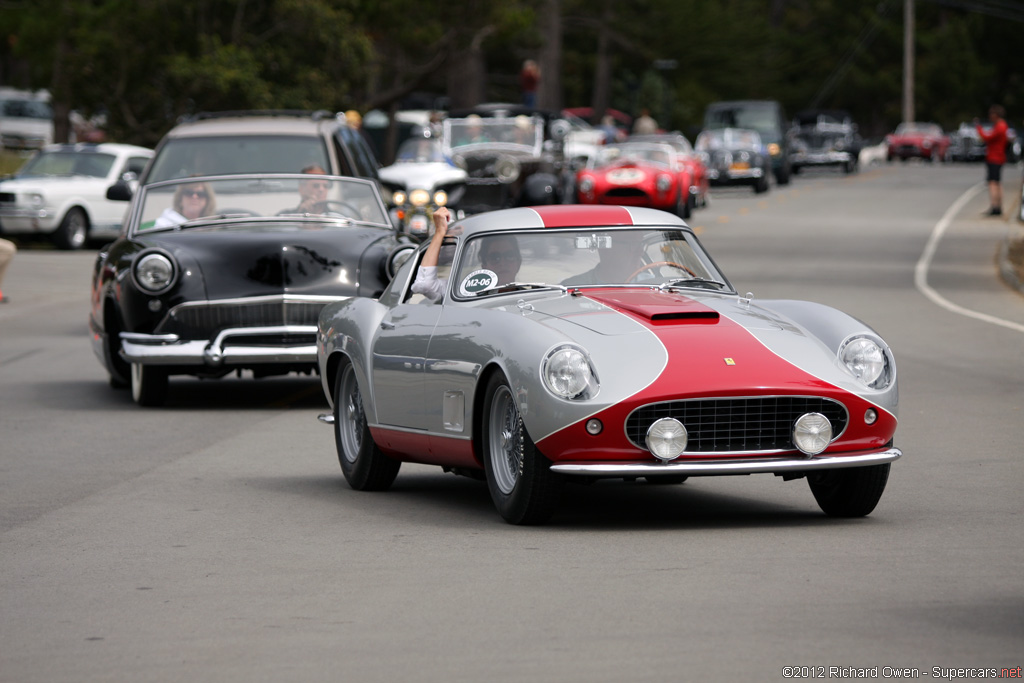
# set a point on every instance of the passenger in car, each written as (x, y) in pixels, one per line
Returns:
(190, 202)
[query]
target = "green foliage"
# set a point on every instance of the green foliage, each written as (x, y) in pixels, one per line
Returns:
(148, 62)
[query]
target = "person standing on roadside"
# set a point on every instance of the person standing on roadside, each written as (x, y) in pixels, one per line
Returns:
(529, 80)
(7, 251)
(995, 157)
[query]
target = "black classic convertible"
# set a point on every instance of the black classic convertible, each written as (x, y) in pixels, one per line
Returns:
(227, 273)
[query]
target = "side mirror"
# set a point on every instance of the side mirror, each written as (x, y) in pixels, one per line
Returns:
(120, 191)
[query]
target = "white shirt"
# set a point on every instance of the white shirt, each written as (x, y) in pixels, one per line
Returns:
(428, 284)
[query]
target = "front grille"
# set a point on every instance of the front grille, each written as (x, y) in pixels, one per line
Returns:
(204, 320)
(721, 425)
(7, 197)
(626, 193)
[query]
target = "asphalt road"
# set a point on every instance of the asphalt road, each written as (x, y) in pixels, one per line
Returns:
(215, 539)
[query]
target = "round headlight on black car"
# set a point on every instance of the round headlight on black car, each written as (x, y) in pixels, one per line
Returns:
(154, 272)
(506, 170)
(397, 258)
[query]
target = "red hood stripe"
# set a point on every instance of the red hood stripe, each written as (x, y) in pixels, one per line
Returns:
(572, 215)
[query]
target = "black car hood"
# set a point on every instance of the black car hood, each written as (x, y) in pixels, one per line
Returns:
(241, 262)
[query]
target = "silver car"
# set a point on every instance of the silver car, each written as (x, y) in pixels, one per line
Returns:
(573, 342)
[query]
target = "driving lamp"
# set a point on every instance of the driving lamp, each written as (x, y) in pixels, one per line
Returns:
(440, 198)
(398, 198)
(812, 433)
(666, 438)
(419, 197)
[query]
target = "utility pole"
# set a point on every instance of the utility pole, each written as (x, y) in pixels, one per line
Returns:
(908, 60)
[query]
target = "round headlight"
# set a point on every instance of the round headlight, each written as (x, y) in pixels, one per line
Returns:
(774, 149)
(812, 433)
(440, 198)
(398, 198)
(419, 197)
(867, 361)
(397, 259)
(666, 438)
(567, 373)
(506, 170)
(154, 272)
(664, 182)
(587, 184)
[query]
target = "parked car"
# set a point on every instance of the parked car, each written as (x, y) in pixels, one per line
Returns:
(965, 144)
(618, 350)
(916, 139)
(61, 192)
(26, 119)
(221, 274)
(825, 138)
(421, 180)
(638, 174)
(689, 157)
(768, 118)
(228, 143)
(735, 156)
(514, 156)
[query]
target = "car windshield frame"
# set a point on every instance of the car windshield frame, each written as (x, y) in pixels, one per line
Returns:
(610, 155)
(181, 156)
(258, 199)
(565, 259)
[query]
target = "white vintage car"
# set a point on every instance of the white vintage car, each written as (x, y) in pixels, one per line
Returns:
(61, 192)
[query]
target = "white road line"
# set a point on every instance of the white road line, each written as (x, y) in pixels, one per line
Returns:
(921, 270)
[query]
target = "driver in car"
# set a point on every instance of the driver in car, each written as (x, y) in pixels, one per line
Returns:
(312, 192)
(618, 263)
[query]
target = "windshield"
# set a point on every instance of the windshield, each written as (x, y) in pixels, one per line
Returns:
(237, 154)
(91, 164)
(26, 109)
(728, 138)
(655, 155)
(762, 117)
(421, 151)
(918, 129)
(222, 201)
(520, 130)
(584, 257)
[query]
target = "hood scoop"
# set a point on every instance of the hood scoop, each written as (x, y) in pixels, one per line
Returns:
(660, 308)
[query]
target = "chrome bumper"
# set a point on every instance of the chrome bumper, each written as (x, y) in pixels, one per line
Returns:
(169, 349)
(727, 465)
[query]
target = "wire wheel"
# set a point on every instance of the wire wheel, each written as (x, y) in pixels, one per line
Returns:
(350, 416)
(505, 449)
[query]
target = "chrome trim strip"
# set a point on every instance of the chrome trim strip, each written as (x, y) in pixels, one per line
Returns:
(167, 349)
(421, 432)
(268, 298)
(727, 466)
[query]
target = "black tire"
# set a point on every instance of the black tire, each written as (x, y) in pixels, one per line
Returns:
(519, 477)
(783, 174)
(73, 231)
(849, 492)
(149, 385)
(683, 206)
(365, 467)
(761, 185)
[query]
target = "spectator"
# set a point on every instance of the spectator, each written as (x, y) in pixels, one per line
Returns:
(529, 79)
(7, 251)
(645, 125)
(995, 157)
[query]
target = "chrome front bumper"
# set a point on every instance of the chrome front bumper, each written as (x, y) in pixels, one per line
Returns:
(170, 349)
(727, 465)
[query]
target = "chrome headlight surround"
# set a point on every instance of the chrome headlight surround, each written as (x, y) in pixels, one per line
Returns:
(586, 184)
(664, 182)
(812, 433)
(869, 360)
(568, 373)
(154, 271)
(667, 438)
(506, 170)
(35, 200)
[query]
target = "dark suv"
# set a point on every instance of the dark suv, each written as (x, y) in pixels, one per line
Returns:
(767, 118)
(261, 142)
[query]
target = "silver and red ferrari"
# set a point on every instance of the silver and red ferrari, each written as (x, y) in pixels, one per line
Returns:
(572, 343)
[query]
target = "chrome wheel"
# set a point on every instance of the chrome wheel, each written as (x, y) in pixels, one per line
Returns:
(349, 416)
(505, 449)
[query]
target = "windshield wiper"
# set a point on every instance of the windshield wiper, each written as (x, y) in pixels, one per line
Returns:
(691, 282)
(517, 286)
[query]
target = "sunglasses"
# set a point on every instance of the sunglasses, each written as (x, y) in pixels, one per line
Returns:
(195, 193)
(496, 256)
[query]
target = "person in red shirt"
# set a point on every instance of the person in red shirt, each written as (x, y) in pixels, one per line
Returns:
(995, 157)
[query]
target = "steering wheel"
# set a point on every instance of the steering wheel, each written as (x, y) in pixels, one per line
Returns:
(658, 264)
(343, 208)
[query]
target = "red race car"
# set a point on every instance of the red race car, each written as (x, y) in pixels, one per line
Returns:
(921, 140)
(647, 174)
